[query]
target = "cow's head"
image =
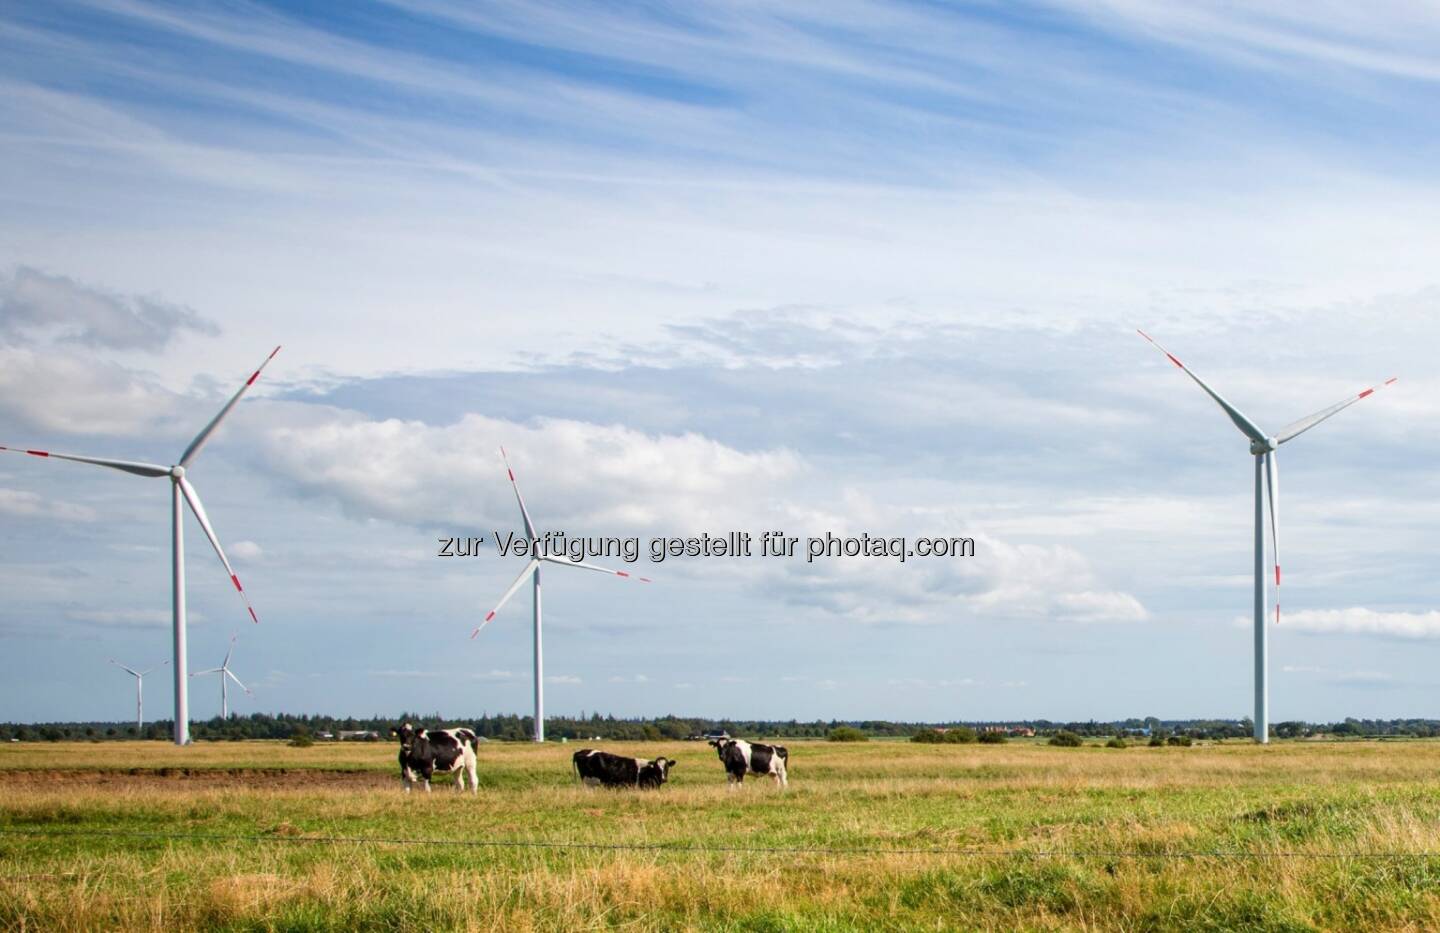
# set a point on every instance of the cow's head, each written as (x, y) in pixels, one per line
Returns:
(720, 745)
(407, 734)
(654, 773)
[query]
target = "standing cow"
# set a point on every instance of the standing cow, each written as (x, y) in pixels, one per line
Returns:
(425, 751)
(741, 757)
(602, 768)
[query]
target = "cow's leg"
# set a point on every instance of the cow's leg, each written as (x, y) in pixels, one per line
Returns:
(427, 785)
(474, 781)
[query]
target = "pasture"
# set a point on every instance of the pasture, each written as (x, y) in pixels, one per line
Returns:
(880, 835)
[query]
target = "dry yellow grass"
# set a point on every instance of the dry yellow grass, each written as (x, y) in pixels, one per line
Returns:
(871, 836)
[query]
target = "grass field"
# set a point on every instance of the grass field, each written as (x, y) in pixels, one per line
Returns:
(869, 836)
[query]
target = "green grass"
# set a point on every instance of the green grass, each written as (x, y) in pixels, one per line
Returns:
(895, 836)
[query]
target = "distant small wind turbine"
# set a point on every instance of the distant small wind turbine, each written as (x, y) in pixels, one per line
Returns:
(532, 571)
(179, 488)
(139, 691)
(226, 675)
(1267, 478)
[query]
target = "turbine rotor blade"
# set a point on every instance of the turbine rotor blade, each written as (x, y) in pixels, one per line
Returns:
(237, 681)
(192, 497)
(209, 429)
(566, 562)
(524, 513)
(225, 664)
(1246, 426)
(1272, 490)
(129, 466)
(213, 670)
(124, 668)
(529, 569)
(1291, 431)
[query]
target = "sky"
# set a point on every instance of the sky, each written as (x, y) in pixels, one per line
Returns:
(842, 267)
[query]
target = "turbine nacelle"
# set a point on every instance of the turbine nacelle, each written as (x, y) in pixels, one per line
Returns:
(1264, 446)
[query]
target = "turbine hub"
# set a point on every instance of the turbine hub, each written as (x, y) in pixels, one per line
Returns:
(1263, 447)
(177, 471)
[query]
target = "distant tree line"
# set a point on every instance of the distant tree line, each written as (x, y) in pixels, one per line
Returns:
(673, 728)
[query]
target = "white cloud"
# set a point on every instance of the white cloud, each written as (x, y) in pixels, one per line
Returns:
(1358, 620)
(1365, 678)
(246, 550)
(596, 479)
(637, 679)
(132, 618)
(562, 679)
(1090, 606)
(35, 304)
(70, 393)
(24, 504)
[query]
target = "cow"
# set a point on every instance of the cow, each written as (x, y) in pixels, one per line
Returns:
(741, 757)
(596, 768)
(425, 751)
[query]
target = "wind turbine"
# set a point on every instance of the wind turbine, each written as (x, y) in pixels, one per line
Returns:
(532, 570)
(139, 691)
(180, 487)
(226, 675)
(1264, 447)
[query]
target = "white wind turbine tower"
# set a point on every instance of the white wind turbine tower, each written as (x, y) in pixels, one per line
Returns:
(532, 571)
(1267, 480)
(180, 487)
(226, 675)
(139, 691)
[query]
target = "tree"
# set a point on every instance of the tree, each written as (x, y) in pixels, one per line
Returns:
(846, 734)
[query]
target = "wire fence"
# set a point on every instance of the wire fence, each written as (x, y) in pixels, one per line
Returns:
(707, 849)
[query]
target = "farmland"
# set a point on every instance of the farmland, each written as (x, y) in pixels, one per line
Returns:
(258, 835)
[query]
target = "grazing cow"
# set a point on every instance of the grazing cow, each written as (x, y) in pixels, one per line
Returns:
(425, 751)
(741, 757)
(596, 768)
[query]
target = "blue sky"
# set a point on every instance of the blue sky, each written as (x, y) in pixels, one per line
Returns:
(835, 267)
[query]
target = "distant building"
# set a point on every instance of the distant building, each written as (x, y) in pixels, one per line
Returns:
(359, 735)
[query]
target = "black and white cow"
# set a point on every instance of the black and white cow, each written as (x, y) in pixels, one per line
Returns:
(425, 751)
(741, 757)
(596, 768)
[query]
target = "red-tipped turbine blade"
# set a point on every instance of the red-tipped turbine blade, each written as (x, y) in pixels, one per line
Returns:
(1246, 426)
(129, 466)
(209, 429)
(1291, 431)
(1272, 490)
(524, 512)
(566, 562)
(529, 569)
(192, 497)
